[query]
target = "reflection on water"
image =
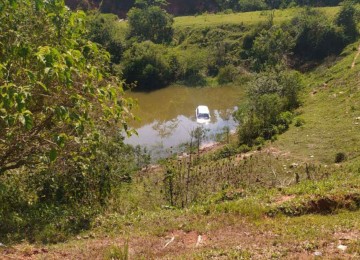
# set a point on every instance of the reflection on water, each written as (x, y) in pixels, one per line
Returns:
(168, 115)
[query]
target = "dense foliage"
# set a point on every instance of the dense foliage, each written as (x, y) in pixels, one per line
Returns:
(62, 117)
(57, 98)
(313, 32)
(105, 30)
(272, 95)
(152, 54)
(190, 7)
(148, 66)
(150, 23)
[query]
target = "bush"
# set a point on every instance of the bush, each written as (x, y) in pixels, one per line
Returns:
(272, 96)
(227, 74)
(51, 235)
(148, 65)
(252, 5)
(299, 122)
(313, 33)
(150, 24)
(244, 148)
(105, 30)
(284, 121)
(340, 157)
(193, 65)
(271, 47)
(225, 152)
(347, 20)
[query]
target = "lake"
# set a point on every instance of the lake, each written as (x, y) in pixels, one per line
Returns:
(168, 116)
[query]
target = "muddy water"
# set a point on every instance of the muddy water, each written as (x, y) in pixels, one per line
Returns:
(168, 116)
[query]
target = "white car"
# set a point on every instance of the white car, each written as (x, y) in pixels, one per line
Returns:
(202, 114)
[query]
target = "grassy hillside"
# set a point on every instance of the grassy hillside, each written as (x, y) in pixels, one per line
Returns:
(247, 18)
(260, 216)
(330, 110)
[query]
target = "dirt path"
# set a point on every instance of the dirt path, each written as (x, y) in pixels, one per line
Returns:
(356, 57)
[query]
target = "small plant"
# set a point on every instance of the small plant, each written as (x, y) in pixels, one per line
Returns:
(244, 148)
(117, 253)
(51, 235)
(340, 157)
(299, 122)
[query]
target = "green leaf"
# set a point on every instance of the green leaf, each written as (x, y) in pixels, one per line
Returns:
(60, 139)
(52, 155)
(28, 121)
(42, 85)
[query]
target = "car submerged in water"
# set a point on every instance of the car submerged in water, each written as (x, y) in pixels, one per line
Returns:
(202, 114)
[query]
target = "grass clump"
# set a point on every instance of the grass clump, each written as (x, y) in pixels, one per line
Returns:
(115, 252)
(218, 253)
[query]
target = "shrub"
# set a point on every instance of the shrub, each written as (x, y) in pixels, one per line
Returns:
(272, 96)
(313, 33)
(252, 5)
(340, 157)
(244, 148)
(347, 20)
(117, 253)
(284, 121)
(299, 122)
(227, 74)
(150, 23)
(105, 30)
(193, 65)
(271, 48)
(225, 152)
(148, 65)
(51, 235)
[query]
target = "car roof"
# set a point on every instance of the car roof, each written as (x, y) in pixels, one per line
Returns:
(203, 109)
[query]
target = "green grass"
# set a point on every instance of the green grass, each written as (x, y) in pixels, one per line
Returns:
(330, 111)
(247, 18)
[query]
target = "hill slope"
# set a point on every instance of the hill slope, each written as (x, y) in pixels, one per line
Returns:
(331, 111)
(317, 216)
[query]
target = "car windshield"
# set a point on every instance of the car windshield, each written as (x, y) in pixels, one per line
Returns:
(203, 116)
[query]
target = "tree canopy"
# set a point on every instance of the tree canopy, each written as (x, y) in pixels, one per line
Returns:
(150, 23)
(57, 97)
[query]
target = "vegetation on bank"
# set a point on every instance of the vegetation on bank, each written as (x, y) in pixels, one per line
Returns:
(198, 7)
(62, 117)
(64, 168)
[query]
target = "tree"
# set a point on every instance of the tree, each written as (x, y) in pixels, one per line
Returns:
(148, 65)
(346, 19)
(148, 3)
(272, 95)
(57, 98)
(271, 48)
(150, 23)
(251, 5)
(106, 30)
(313, 33)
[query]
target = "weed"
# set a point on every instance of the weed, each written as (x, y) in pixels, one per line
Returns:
(299, 122)
(233, 253)
(115, 252)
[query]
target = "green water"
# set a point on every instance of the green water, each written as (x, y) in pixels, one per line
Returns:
(168, 115)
